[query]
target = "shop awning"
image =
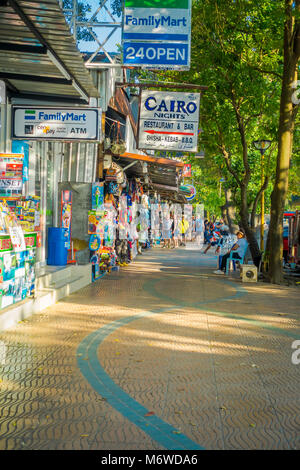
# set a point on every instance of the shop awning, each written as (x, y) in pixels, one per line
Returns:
(151, 159)
(38, 55)
(162, 174)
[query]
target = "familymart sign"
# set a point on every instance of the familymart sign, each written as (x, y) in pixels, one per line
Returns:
(157, 36)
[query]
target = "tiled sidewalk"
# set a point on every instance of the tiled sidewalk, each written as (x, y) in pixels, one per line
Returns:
(162, 355)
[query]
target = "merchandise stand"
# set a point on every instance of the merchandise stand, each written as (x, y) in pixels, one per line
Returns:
(116, 228)
(17, 270)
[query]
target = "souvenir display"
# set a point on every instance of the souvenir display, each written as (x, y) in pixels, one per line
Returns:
(97, 196)
(66, 215)
(117, 229)
(17, 253)
(95, 242)
(11, 171)
(26, 211)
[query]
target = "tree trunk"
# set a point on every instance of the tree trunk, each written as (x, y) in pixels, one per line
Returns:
(230, 211)
(250, 235)
(285, 140)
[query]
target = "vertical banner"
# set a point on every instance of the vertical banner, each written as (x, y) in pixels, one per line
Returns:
(187, 170)
(66, 215)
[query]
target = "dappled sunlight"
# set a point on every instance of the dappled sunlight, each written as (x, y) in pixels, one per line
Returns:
(170, 335)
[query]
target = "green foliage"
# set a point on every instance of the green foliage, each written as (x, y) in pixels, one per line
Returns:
(237, 53)
(116, 7)
(83, 9)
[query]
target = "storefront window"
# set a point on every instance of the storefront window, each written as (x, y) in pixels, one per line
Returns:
(72, 170)
(90, 163)
(82, 162)
(65, 163)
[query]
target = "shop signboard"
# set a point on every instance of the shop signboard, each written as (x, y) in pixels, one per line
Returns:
(11, 174)
(187, 170)
(157, 36)
(169, 121)
(192, 190)
(75, 124)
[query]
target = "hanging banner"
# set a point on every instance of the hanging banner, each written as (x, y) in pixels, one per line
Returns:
(66, 215)
(11, 174)
(192, 190)
(20, 146)
(169, 121)
(55, 123)
(97, 196)
(157, 37)
(187, 170)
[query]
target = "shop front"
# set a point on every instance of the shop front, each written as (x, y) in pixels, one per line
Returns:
(44, 85)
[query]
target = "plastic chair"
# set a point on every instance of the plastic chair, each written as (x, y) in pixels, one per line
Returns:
(240, 260)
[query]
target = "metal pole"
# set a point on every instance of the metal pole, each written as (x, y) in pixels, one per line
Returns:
(74, 19)
(262, 210)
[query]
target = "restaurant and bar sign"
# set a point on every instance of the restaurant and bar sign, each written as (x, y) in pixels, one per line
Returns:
(169, 121)
(157, 36)
(55, 123)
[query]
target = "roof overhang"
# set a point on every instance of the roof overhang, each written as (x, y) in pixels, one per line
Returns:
(162, 174)
(152, 159)
(38, 55)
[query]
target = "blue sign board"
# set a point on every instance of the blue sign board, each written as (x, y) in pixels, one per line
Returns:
(157, 34)
(157, 54)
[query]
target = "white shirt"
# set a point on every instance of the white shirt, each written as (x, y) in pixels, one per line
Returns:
(242, 245)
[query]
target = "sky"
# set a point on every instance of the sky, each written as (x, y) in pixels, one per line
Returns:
(102, 33)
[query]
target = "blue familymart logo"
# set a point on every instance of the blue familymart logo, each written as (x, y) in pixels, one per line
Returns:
(30, 115)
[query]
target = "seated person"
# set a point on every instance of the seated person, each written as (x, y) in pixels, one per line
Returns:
(214, 239)
(219, 237)
(238, 248)
(224, 229)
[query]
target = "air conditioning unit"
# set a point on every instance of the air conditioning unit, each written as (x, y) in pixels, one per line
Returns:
(248, 273)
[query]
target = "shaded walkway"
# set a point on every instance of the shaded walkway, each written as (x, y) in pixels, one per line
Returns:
(199, 361)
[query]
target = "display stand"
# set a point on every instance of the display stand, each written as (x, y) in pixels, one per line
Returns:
(17, 270)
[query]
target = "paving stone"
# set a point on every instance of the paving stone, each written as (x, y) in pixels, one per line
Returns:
(196, 356)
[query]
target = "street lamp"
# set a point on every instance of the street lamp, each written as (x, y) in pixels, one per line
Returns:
(262, 146)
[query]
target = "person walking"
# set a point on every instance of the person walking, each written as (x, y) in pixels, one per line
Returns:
(184, 225)
(239, 249)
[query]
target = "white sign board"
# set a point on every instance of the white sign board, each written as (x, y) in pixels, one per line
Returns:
(157, 37)
(169, 121)
(56, 123)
